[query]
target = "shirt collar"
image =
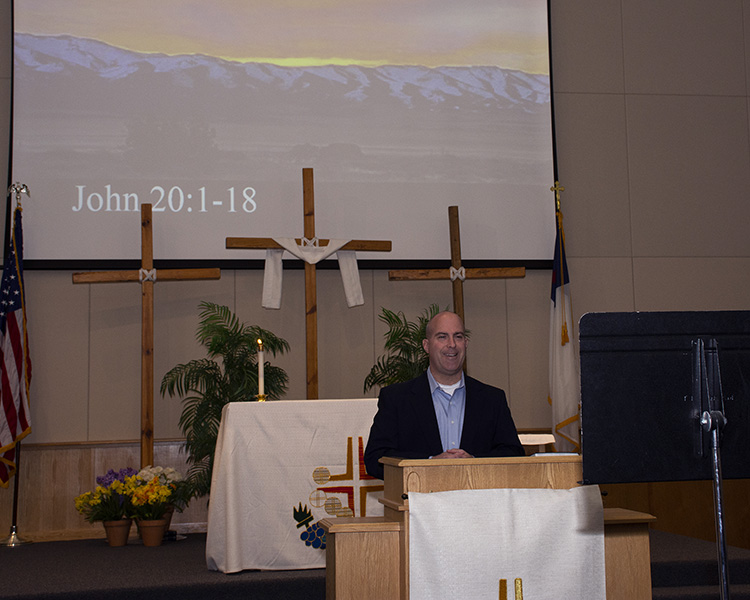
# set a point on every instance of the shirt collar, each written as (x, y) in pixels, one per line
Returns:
(434, 384)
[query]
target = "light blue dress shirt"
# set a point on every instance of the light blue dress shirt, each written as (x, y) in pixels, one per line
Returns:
(449, 411)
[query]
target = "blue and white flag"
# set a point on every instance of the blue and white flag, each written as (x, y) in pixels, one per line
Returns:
(564, 371)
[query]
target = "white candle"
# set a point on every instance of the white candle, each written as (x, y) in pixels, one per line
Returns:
(261, 367)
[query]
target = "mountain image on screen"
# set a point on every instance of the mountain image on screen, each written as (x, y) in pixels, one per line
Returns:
(219, 145)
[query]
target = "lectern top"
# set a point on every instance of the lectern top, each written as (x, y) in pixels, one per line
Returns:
(439, 475)
(552, 457)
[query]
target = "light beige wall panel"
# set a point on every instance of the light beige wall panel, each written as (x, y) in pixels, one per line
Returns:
(600, 285)
(486, 312)
(689, 172)
(115, 361)
(587, 46)
(417, 294)
(528, 349)
(410, 297)
(176, 316)
(58, 326)
(593, 169)
(288, 322)
(345, 337)
(683, 47)
(692, 284)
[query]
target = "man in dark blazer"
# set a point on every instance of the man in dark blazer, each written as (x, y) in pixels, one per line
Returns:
(443, 413)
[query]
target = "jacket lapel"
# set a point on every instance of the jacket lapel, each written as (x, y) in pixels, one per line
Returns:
(424, 414)
(471, 414)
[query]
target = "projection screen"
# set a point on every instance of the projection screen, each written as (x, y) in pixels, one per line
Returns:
(210, 110)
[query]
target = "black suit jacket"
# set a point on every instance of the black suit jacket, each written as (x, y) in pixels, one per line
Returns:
(405, 424)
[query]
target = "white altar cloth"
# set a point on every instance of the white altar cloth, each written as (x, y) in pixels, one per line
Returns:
(279, 468)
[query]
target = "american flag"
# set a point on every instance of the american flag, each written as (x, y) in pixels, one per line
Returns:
(15, 365)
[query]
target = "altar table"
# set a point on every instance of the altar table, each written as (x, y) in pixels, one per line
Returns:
(279, 468)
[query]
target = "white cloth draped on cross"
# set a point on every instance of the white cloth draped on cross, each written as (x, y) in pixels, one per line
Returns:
(312, 253)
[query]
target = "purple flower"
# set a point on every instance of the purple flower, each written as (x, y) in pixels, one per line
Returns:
(107, 479)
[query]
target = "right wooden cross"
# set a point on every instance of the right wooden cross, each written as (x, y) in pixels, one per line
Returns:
(457, 273)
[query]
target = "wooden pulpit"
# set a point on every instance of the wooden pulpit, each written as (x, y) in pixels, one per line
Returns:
(368, 558)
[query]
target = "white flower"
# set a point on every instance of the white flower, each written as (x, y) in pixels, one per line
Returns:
(165, 475)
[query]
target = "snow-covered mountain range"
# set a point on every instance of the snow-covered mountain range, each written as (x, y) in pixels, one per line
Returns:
(470, 88)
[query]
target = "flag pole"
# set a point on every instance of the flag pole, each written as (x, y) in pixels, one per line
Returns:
(13, 539)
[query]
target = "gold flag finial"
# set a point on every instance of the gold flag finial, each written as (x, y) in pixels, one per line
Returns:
(557, 188)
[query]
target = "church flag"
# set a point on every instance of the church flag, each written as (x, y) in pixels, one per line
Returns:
(15, 365)
(564, 373)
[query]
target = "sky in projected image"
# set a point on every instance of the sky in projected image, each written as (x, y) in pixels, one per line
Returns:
(209, 111)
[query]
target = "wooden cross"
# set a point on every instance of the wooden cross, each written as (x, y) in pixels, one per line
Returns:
(456, 272)
(146, 277)
(311, 302)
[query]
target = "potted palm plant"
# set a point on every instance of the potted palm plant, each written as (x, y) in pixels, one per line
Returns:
(404, 358)
(229, 373)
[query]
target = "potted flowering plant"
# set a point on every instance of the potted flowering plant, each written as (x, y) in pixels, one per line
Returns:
(181, 489)
(110, 502)
(151, 500)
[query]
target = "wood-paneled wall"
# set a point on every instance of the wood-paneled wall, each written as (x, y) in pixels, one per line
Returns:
(687, 507)
(52, 475)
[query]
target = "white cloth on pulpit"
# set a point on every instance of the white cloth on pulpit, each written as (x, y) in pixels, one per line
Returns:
(464, 543)
(311, 253)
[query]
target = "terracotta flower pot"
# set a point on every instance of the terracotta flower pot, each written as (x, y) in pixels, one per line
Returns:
(117, 531)
(152, 532)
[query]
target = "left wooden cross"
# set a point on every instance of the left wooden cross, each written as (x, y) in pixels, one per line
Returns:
(146, 276)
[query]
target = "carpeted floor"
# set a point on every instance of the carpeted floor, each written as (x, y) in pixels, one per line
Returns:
(89, 569)
(683, 567)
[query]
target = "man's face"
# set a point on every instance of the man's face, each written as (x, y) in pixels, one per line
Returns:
(446, 346)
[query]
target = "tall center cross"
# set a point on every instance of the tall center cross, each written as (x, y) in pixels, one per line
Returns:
(311, 302)
(457, 273)
(146, 276)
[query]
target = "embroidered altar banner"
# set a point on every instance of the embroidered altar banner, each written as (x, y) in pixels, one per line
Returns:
(279, 468)
(507, 543)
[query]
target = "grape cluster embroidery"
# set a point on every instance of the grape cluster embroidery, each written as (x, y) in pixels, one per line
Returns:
(313, 534)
